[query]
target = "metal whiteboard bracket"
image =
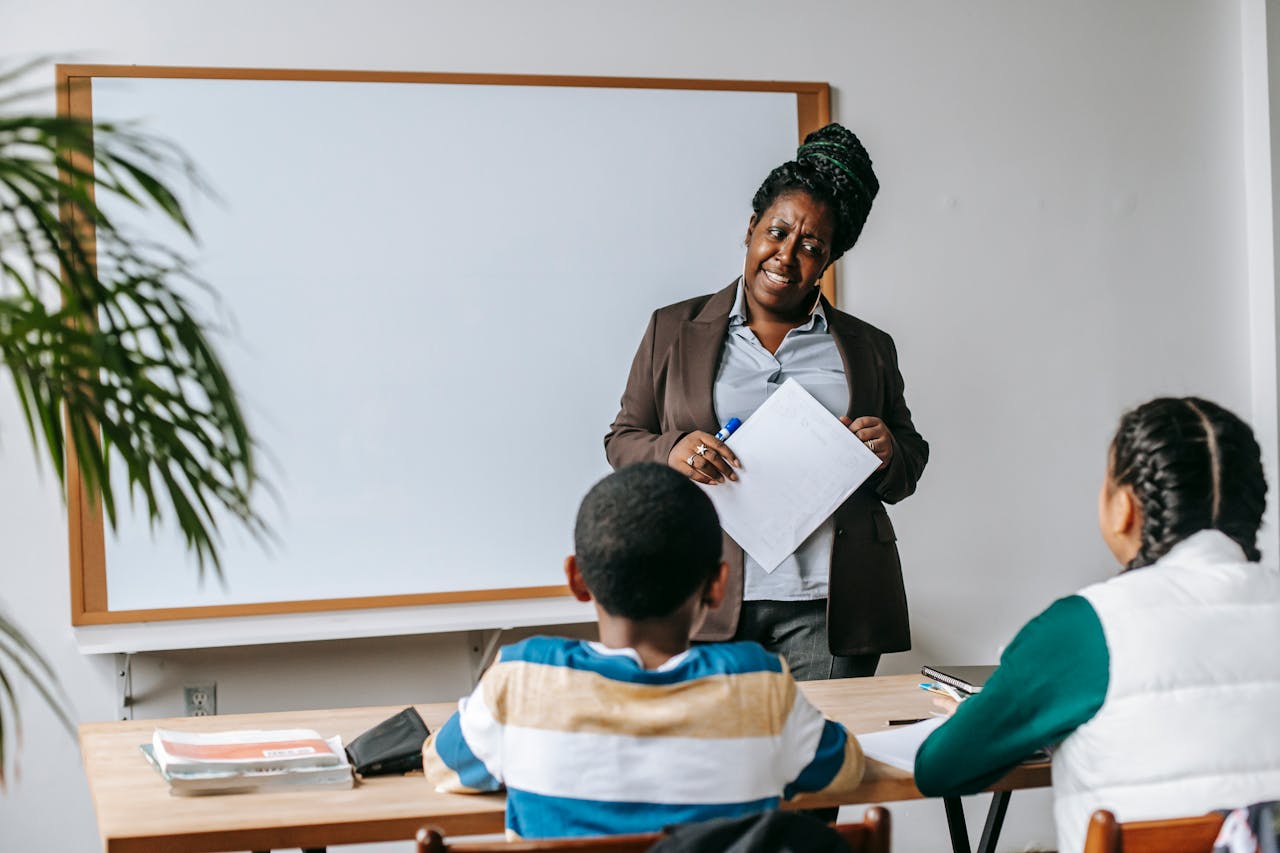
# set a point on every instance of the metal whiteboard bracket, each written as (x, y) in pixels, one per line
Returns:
(124, 686)
(483, 647)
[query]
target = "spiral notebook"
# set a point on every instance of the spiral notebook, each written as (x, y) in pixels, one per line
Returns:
(967, 679)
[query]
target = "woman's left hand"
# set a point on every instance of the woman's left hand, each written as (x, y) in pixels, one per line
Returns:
(875, 435)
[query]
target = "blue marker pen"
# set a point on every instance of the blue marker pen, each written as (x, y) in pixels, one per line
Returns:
(727, 429)
(942, 690)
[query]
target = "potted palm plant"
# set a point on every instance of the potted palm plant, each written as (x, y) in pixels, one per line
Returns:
(111, 363)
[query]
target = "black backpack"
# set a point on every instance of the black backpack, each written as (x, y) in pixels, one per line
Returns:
(768, 832)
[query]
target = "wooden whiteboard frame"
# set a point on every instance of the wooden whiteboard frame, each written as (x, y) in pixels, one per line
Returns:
(89, 603)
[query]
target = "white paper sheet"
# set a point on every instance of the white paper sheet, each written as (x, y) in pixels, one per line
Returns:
(897, 745)
(798, 464)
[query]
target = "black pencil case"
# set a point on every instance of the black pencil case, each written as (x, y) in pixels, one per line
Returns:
(392, 746)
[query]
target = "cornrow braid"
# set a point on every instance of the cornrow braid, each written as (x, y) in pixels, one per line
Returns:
(1193, 466)
(1215, 462)
(1244, 495)
(833, 168)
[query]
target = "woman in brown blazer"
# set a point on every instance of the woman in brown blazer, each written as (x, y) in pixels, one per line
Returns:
(838, 602)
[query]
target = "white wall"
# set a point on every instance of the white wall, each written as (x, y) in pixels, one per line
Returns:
(1060, 235)
(1258, 31)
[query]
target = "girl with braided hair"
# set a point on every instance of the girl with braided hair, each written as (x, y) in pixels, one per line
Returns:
(838, 602)
(1159, 687)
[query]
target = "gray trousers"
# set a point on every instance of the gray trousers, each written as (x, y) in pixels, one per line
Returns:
(797, 630)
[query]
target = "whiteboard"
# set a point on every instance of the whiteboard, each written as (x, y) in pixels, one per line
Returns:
(437, 290)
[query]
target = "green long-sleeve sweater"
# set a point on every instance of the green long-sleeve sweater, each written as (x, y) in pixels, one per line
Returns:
(1052, 679)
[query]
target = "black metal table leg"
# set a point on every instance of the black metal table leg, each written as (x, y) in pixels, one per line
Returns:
(995, 820)
(956, 825)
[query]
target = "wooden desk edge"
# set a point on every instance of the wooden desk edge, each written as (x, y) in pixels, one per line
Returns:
(313, 835)
(881, 784)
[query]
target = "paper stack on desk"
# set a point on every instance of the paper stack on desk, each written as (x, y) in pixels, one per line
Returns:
(898, 746)
(241, 761)
(799, 463)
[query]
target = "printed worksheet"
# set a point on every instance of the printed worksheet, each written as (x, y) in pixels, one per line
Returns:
(898, 746)
(798, 464)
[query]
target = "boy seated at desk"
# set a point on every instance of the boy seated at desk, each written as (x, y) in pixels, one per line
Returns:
(639, 730)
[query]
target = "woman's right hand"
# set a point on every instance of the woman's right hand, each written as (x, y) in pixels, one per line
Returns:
(703, 458)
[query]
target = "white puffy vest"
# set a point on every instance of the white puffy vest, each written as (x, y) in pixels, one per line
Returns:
(1191, 719)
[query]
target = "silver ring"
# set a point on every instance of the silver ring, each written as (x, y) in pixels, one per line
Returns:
(701, 450)
(689, 461)
(871, 445)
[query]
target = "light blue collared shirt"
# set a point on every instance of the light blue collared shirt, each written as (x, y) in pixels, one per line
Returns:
(747, 375)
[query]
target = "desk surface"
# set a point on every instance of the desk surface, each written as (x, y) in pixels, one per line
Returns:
(136, 812)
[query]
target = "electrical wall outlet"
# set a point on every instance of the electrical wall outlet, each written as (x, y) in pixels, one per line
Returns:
(201, 700)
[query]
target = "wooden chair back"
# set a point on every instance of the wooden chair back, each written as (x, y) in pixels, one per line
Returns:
(869, 836)
(431, 840)
(1174, 835)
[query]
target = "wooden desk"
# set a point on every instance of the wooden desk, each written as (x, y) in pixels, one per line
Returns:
(136, 812)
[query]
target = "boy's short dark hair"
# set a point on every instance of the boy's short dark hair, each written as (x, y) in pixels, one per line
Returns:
(646, 539)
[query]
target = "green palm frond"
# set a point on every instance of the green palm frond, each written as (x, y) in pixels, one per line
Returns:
(94, 323)
(17, 653)
(105, 349)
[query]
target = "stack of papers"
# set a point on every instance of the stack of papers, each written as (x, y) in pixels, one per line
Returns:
(799, 463)
(241, 761)
(898, 746)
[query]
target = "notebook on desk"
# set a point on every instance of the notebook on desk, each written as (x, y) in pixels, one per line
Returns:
(967, 679)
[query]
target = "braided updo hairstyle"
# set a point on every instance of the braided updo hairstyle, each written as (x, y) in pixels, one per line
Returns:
(1193, 466)
(832, 167)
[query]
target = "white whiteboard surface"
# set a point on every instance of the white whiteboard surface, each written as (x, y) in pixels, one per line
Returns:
(437, 292)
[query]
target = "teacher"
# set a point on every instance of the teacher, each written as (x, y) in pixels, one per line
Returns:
(837, 603)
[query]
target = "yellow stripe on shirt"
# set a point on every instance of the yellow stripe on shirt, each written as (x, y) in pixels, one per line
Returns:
(849, 775)
(753, 704)
(441, 776)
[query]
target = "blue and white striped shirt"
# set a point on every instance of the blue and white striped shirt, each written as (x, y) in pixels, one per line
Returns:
(588, 742)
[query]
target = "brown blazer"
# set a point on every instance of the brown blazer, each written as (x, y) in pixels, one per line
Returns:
(669, 394)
